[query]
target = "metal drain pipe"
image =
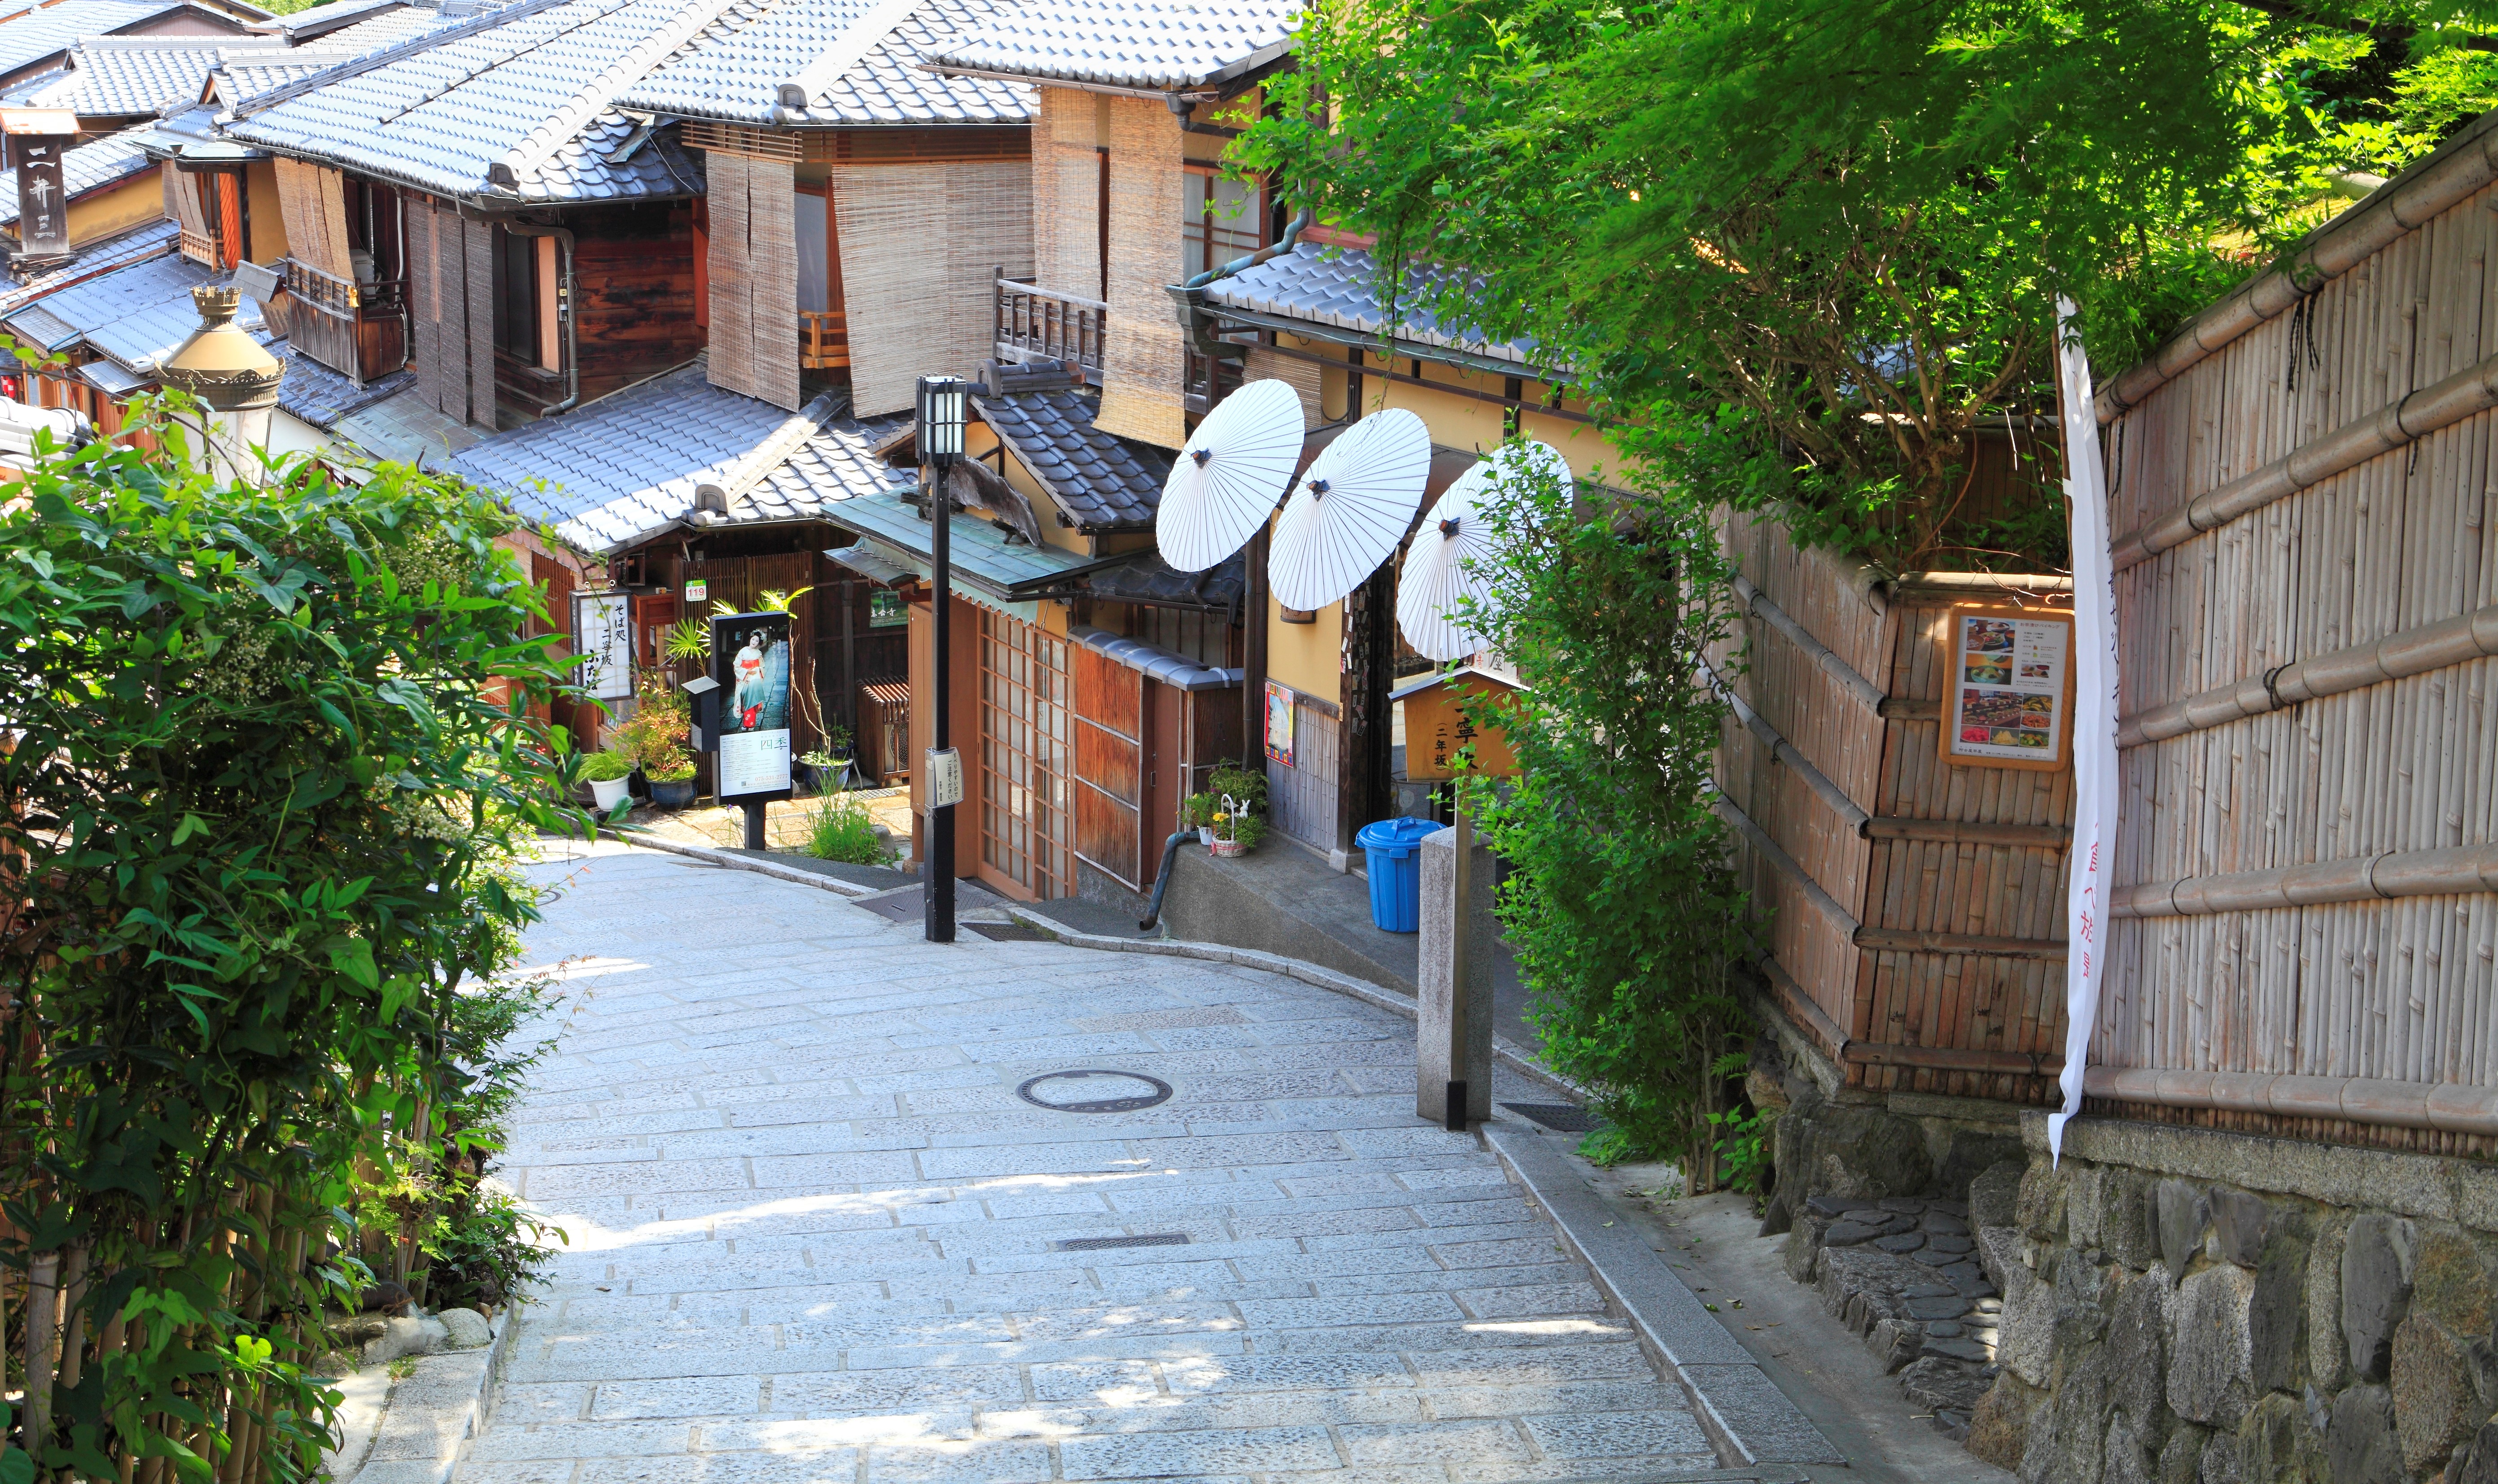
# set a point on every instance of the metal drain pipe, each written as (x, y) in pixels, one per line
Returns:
(1162, 879)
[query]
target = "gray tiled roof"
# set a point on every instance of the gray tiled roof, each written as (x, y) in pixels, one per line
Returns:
(403, 428)
(1331, 287)
(1102, 482)
(1160, 43)
(136, 315)
(120, 74)
(983, 557)
(387, 29)
(1149, 579)
(138, 243)
(519, 104)
(33, 34)
(245, 75)
(627, 465)
(734, 71)
(320, 396)
(88, 166)
(314, 20)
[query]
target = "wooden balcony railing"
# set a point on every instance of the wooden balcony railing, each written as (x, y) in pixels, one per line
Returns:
(1038, 324)
(358, 330)
(199, 247)
(824, 340)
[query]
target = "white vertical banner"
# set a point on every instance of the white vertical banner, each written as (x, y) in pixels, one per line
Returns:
(2093, 719)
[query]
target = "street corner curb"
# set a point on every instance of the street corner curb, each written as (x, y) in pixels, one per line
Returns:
(1740, 1407)
(1505, 1050)
(430, 1417)
(636, 835)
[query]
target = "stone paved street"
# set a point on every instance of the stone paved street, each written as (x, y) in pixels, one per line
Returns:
(817, 1236)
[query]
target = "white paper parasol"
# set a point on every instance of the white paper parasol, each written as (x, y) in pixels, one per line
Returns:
(1435, 584)
(1226, 483)
(1355, 504)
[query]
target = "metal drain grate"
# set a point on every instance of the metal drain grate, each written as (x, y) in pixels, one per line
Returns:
(1006, 932)
(1560, 1118)
(1106, 1244)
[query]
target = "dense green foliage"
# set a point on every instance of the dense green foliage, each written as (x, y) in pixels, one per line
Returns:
(274, 758)
(1805, 250)
(840, 828)
(1623, 911)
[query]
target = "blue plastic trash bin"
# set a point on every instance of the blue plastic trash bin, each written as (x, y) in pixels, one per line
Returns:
(1394, 847)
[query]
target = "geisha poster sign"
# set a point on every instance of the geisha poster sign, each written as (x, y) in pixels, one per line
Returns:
(2008, 693)
(749, 658)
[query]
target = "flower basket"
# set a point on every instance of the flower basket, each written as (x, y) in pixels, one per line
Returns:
(1226, 848)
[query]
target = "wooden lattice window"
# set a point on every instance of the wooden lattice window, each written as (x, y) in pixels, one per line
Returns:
(1025, 757)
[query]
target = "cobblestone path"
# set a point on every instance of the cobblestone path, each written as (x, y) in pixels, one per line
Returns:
(818, 1236)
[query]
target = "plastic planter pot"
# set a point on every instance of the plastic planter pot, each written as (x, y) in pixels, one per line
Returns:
(607, 792)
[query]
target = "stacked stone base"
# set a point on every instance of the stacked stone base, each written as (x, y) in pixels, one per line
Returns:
(2195, 1307)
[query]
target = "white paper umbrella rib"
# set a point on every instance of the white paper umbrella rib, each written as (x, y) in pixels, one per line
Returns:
(1226, 481)
(1352, 508)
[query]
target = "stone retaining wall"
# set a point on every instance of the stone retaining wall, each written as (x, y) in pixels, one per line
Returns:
(2193, 1308)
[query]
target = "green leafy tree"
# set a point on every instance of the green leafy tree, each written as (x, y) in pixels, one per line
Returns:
(274, 758)
(1621, 905)
(1802, 250)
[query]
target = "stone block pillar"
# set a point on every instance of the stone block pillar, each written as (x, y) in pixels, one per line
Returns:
(1453, 1046)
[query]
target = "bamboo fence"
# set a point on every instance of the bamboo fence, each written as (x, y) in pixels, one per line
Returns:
(2304, 929)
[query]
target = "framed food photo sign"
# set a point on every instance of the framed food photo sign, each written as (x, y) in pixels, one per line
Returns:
(2008, 697)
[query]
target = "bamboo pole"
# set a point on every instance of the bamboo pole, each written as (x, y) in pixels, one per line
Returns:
(43, 1272)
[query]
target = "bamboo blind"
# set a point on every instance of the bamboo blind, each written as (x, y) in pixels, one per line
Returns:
(2381, 558)
(424, 299)
(754, 278)
(182, 202)
(732, 320)
(1066, 192)
(477, 241)
(1144, 360)
(912, 311)
(312, 199)
(1305, 377)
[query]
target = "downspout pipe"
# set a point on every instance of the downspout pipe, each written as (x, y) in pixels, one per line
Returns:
(1291, 238)
(1162, 879)
(572, 321)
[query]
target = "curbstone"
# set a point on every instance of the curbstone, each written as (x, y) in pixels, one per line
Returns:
(773, 869)
(1747, 1418)
(428, 1419)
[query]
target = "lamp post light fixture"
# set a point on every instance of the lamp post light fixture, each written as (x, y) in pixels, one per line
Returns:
(232, 377)
(942, 404)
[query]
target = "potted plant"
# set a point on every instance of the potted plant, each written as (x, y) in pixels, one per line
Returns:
(837, 745)
(609, 775)
(672, 785)
(1235, 831)
(1197, 814)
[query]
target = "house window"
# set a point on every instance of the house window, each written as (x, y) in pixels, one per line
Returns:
(1221, 219)
(815, 257)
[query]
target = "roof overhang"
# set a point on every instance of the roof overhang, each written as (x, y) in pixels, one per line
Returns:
(1423, 350)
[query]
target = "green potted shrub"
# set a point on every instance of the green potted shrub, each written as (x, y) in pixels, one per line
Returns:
(672, 783)
(1197, 813)
(609, 775)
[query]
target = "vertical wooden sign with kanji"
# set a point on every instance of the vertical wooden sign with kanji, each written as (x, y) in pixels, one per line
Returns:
(38, 140)
(1438, 731)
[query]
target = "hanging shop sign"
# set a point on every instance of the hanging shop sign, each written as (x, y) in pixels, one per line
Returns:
(2008, 702)
(602, 644)
(885, 609)
(1279, 723)
(1438, 730)
(749, 658)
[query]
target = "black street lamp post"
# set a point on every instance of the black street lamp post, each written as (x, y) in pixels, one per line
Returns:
(942, 401)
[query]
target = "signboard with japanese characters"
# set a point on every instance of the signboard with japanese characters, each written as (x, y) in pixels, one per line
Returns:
(38, 140)
(602, 644)
(2008, 696)
(749, 658)
(1438, 731)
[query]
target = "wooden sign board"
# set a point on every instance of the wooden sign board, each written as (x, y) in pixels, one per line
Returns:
(2008, 691)
(1437, 728)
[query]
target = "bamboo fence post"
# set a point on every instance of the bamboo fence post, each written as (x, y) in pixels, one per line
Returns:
(43, 1272)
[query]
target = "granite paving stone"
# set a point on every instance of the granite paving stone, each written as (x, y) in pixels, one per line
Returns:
(817, 1238)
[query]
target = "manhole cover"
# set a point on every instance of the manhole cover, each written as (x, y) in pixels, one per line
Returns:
(1094, 1091)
